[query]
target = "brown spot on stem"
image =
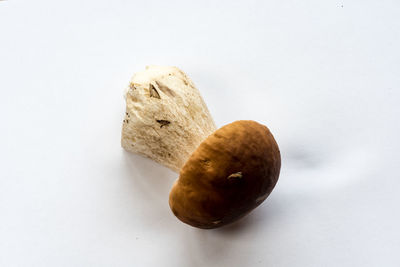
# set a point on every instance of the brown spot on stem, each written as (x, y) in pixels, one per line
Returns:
(165, 89)
(153, 92)
(163, 122)
(132, 86)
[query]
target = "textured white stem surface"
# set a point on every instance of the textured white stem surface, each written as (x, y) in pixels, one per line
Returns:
(166, 117)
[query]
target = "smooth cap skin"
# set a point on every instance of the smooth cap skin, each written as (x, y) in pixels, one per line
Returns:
(231, 172)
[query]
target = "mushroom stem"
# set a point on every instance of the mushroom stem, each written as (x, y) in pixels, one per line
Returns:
(166, 118)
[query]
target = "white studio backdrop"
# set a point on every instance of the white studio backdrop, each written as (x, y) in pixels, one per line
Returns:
(324, 76)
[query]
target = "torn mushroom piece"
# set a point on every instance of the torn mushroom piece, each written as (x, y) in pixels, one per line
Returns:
(224, 173)
(230, 173)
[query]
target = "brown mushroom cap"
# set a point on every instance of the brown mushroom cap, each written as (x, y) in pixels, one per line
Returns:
(231, 172)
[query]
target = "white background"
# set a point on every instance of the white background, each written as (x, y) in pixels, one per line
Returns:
(324, 76)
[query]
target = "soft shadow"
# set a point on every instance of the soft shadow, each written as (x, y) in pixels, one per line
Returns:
(234, 228)
(302, 157)
(149, 184)
(217, 246)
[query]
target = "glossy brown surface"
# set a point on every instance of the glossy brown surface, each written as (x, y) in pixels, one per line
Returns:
(231, 172)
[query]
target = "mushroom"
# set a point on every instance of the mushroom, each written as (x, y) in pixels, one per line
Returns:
(224, 173)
